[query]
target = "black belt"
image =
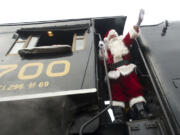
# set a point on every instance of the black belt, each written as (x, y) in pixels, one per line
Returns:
(118, 64)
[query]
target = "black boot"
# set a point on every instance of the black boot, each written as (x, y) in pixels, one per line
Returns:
(119, 114)
(139, 111)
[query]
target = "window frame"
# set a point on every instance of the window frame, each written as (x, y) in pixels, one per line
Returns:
(31, 36)
(26, 43)
(75, 37)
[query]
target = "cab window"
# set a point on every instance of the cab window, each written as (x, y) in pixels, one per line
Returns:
(78, 41)
(29, 40)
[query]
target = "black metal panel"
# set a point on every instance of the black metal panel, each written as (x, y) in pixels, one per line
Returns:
(102, 25)
(148, 127)
(73, 27)
(47, 116)
(37, 116)
(48, 74)
(162, 51)
(29, 86)
(70, 81)
(72, 78)
(89, 76)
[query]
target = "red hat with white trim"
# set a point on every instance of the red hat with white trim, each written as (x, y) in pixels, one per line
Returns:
(110, 34)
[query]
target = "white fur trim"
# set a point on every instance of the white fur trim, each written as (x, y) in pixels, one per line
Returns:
(126, 69)
(118, 103)
(133, 34)
(115, 74)
(122, 70)
(136, 100)
(115, 103)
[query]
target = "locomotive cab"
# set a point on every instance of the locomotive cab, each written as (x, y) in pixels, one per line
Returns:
(52, 82)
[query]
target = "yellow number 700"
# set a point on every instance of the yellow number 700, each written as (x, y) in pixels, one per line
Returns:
(49, 73)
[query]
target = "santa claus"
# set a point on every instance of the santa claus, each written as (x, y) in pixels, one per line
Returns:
(124, 83)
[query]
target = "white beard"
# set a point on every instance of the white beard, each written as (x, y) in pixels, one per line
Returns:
(117, 48)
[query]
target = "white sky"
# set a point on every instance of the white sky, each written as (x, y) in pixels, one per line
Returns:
(156, 11)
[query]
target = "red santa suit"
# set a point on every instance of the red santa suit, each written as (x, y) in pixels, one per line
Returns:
(123, 80)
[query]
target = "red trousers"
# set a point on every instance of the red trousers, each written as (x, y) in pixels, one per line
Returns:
(125, 88)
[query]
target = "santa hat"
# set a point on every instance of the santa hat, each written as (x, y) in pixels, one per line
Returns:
(109, 34)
